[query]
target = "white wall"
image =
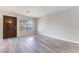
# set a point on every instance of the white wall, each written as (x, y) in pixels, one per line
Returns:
(61, 25)
(19, 17)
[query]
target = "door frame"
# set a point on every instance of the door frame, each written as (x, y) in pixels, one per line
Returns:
(3, 26)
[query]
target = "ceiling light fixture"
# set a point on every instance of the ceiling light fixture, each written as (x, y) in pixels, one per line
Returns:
(27, 11)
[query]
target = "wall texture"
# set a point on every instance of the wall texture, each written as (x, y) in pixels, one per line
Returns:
(61, 25)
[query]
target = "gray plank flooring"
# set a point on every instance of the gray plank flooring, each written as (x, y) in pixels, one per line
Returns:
(37, 44)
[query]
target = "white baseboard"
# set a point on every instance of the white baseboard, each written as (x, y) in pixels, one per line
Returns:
(77, 42)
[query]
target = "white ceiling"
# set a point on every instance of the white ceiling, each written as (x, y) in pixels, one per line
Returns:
(35, 11)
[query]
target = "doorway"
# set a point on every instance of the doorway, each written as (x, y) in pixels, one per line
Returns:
(9, 27)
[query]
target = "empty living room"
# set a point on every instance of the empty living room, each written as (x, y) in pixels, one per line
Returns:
(39, 29)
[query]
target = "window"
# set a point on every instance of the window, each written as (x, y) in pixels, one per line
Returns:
(26, 25)
(29, 25)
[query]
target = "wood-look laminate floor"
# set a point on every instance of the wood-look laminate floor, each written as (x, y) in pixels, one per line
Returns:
(37, 44)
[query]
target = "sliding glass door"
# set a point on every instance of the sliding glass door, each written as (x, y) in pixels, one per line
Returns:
(28, 26)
